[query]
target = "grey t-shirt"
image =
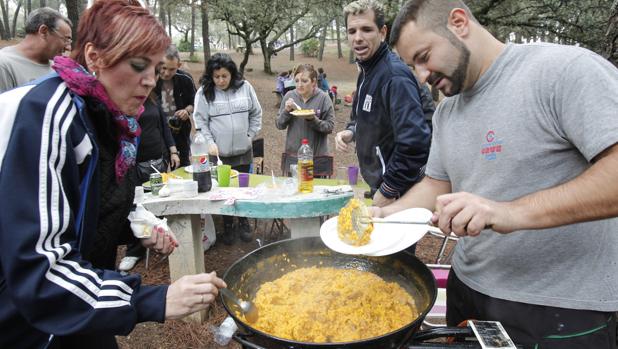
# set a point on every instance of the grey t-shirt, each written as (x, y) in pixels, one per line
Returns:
(16, 70)
(534, 120)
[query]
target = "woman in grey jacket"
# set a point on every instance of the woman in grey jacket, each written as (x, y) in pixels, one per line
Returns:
(229, 115)
(315, 128)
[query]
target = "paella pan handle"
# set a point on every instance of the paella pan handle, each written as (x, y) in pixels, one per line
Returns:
(247, 344)
(440, 332)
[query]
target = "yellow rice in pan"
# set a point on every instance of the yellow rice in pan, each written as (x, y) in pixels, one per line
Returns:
(329, 305)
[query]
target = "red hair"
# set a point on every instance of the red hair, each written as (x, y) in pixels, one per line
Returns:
(119, 29)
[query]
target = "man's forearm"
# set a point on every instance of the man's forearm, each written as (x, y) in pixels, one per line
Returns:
(423, 194)
(590, 196)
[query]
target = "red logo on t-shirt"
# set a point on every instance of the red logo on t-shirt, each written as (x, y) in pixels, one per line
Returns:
(493, 146)
(490, 136)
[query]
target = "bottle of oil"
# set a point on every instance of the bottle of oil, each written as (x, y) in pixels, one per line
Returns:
(305, 167)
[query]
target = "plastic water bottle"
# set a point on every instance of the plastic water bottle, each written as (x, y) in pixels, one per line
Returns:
(199, 162)
(224, 333)
(305, 167)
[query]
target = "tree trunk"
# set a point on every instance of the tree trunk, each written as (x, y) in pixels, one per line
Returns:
(612, 35)
(229, 36)
(292, 40)
(73, 11)
(245, 58)
(162, 14)
(351, 56)
(192, 47)
(5, 19)
(338, 33)
(28, 7)
(15, 15)
(3, 34)
(205, 33)
(267, 54)
(322, 44)
(168, 9)
(42, 3)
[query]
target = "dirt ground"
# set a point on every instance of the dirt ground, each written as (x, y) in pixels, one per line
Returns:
(180, 334)
(340, 73)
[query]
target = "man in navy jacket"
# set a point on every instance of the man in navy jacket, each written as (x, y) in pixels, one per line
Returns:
(392, 137)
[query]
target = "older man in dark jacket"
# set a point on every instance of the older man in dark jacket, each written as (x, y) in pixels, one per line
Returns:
(388, 125)
(176, 92)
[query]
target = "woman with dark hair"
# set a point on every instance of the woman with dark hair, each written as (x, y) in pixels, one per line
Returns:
(66, 141)
(229, 115)
(315, 128)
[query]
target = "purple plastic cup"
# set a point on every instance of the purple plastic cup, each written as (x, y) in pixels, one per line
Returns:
(243, 179)
(352, 175)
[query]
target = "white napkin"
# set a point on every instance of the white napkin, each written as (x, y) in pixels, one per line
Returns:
(143, 222)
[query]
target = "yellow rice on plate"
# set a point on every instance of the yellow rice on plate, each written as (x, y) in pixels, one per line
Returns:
(329, 305)
(345, 229)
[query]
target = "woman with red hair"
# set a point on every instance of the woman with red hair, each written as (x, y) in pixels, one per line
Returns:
(65, 142)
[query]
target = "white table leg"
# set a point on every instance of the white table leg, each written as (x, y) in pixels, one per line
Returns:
(188, 258)
(303, 227)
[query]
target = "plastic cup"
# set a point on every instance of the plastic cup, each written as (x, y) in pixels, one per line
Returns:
(342, 175)
(243, 179)
(223, 175)
(352, 175)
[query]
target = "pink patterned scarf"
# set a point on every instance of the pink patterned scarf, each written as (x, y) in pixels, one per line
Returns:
(84, 84)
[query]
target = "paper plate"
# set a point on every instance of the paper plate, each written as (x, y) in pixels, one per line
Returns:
(412, 233)
(305, 114)
(383, 237)
(189, 169)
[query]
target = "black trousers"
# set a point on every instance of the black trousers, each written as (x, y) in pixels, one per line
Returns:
(533, 326)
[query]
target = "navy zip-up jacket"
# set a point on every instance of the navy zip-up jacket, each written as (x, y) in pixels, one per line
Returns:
(392, 137)
(49, 192)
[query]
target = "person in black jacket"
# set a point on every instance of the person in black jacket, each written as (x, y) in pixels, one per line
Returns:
(156, 149)
(392, 137)
(176, 92)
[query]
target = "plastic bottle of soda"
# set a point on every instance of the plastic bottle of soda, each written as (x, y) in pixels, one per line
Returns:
(199, 162)
(305, 167)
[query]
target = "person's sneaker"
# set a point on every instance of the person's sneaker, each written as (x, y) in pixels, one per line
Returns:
(229, 235)
(245, 230)
(127, 263)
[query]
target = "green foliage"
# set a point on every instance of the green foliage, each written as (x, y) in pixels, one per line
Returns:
(310, 47)
(184, 46)
(582, 22)
(194, 59)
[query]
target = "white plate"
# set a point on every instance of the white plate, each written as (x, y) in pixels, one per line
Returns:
(189, 169)
(302, 115)
(382, 237)
(412, 232)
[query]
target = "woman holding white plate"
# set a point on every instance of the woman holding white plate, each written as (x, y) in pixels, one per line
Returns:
(315, 126)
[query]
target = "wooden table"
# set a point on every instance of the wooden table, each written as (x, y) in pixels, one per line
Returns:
(183, 216)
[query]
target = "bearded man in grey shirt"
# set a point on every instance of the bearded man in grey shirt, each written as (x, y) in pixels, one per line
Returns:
(48, 34)
(523, 167)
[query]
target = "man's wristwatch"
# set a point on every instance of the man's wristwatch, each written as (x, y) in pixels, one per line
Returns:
(174, 153)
